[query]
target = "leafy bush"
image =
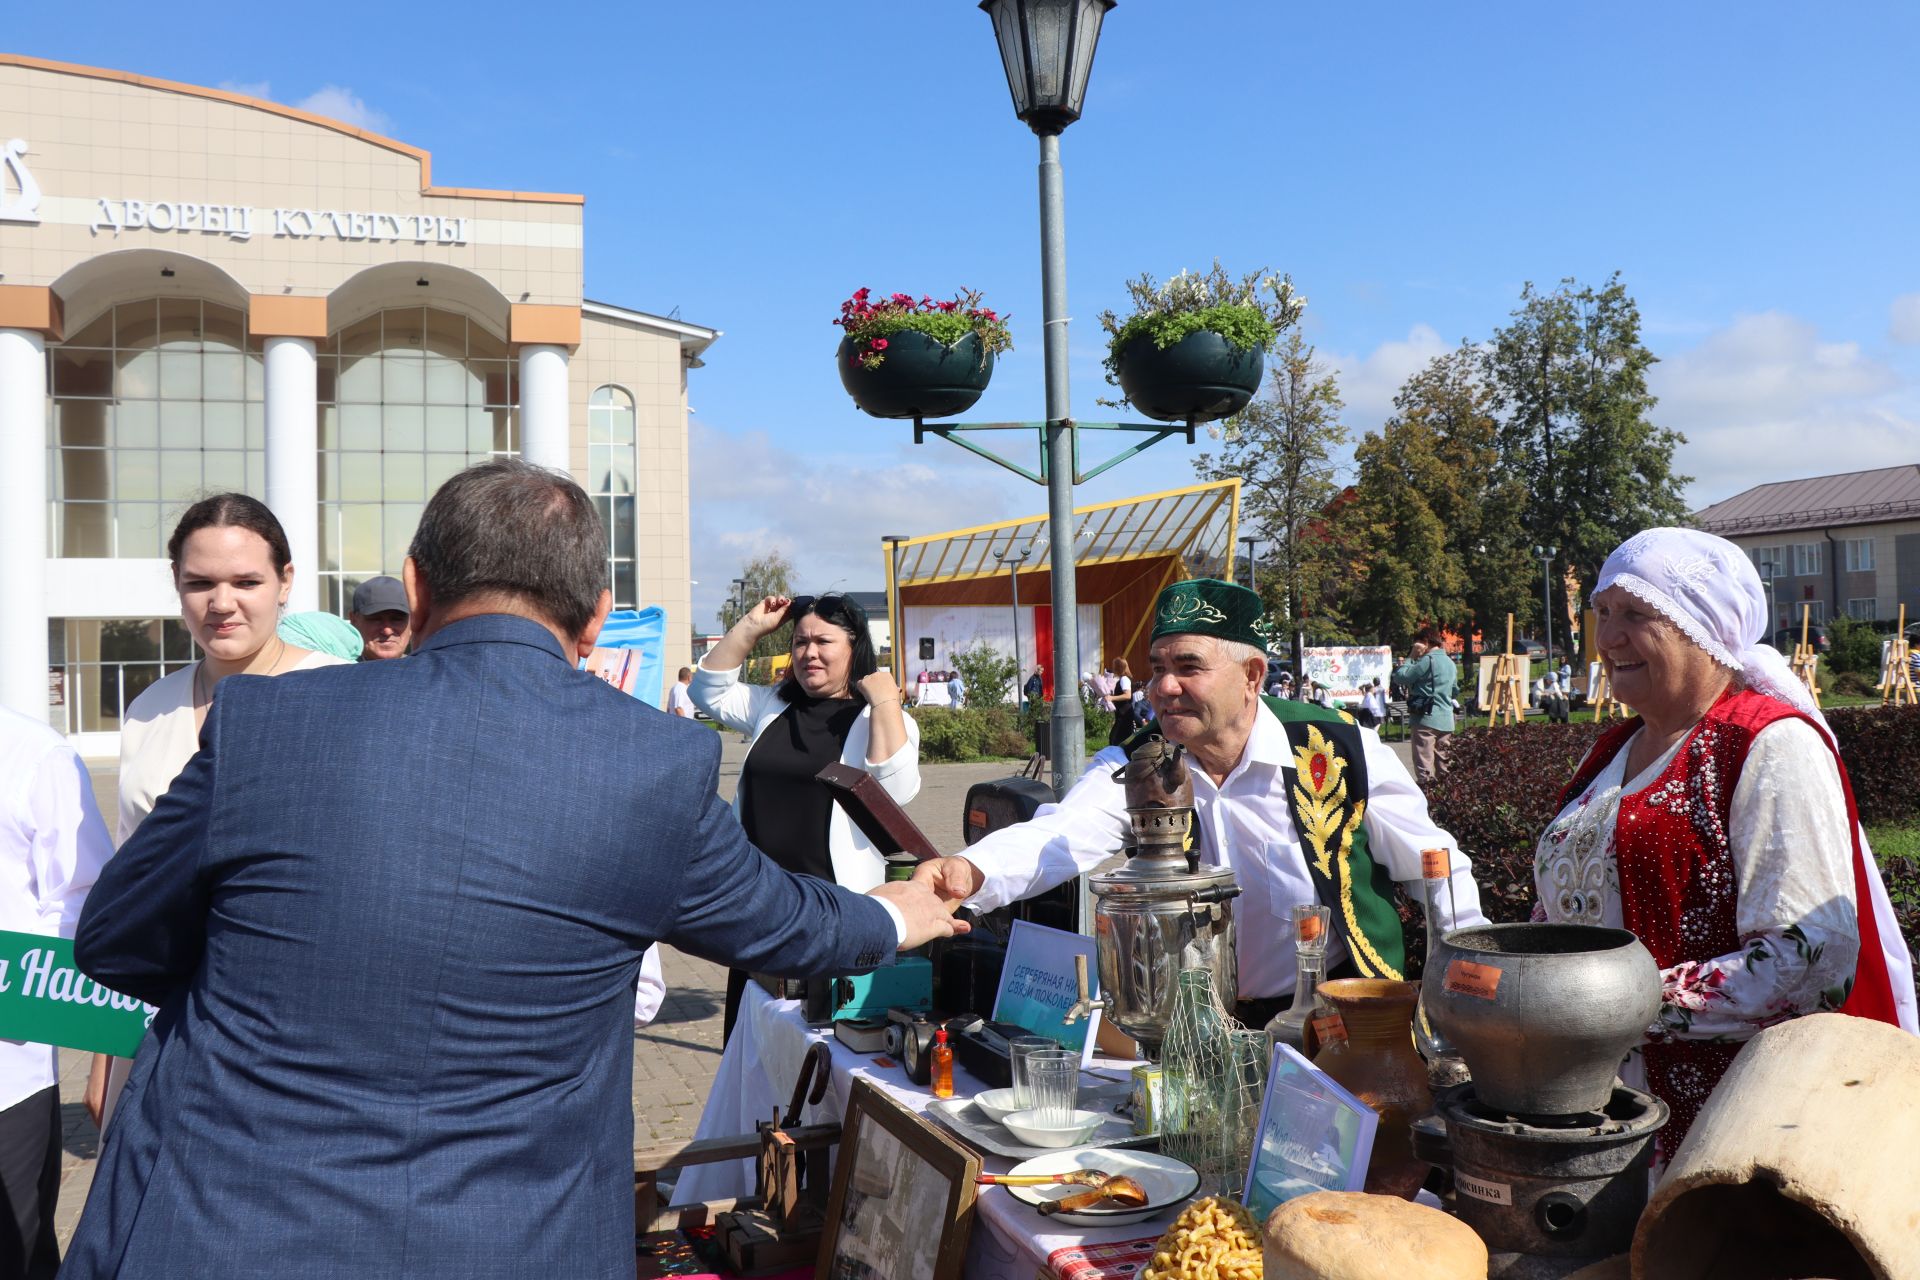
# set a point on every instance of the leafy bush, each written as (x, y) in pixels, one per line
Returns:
(949, 734)
(1099, 723)
(1856, 646)
(987, 674)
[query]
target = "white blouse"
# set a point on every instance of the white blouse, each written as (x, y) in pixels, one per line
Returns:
(1793, 882)
(158, 737)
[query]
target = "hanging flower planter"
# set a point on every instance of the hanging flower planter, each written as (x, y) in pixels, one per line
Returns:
(1194, 349)
(920, 377)
(1201, 377)
(930, 359)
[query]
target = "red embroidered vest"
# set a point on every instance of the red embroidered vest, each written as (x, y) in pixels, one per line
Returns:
(1677, 889)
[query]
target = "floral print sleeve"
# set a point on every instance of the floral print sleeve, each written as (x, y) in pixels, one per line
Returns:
(1793, 864)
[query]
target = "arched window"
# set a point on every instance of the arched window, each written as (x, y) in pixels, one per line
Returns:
(408, 396)
(610, 467)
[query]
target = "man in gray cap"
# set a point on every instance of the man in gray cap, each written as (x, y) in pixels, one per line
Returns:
(383, 618)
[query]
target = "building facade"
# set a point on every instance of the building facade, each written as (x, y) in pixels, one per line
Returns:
(1841, 544)
(201, 291)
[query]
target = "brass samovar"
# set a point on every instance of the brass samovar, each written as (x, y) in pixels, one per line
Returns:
(1162, 911)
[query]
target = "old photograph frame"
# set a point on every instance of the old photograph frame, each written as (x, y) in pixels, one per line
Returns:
(903, 1196)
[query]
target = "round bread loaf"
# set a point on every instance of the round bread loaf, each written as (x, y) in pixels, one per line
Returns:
(1348, 1235)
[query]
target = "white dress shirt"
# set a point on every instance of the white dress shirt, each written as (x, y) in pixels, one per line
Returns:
(1244, 822)
(52, 846)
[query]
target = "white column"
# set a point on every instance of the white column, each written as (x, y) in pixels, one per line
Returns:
(545, 439)
(23, 522)
(293, 461)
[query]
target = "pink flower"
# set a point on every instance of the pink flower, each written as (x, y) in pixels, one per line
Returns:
(878, 344)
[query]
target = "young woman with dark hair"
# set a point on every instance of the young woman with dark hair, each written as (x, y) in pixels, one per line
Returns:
(835, 705)
(233, 571)
(1120, 702)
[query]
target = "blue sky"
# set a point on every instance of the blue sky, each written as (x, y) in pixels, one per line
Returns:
(1748, 168)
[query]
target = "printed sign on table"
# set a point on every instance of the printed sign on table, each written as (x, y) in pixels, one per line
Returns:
(1345, 670)
(44, 998)
(1038, 985)
(1313, 1136)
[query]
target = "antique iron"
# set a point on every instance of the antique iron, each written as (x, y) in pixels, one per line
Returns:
(1160, 912)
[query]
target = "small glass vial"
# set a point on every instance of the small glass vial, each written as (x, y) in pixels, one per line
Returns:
(942, 1065)
(1291, 1026)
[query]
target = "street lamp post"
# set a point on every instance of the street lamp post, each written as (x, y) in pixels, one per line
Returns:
(1251, 585)
(1546, 555)
(1046, 47)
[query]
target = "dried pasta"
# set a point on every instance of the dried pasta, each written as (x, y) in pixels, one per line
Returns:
(1214, 1239)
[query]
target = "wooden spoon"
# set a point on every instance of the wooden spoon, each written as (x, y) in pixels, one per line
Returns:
(1120, 1192)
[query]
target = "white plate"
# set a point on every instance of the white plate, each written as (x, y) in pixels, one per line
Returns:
(1168, 1183)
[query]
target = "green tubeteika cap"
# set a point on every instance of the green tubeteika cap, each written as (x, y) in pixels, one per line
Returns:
(1209, 607)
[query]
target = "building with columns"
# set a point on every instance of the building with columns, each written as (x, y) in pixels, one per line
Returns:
(201, 291)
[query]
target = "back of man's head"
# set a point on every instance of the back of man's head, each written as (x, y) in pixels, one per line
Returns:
(511, 533)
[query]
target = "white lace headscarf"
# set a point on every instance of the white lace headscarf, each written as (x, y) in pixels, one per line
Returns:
(1708, 588)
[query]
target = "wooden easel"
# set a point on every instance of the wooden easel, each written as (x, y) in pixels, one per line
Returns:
(1806, 663)
(1601, 698)
(1509, 685)
(1896, 682)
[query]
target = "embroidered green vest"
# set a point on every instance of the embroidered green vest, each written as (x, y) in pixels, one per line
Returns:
(1328, 800)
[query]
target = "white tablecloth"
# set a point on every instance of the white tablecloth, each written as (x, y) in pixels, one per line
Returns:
(756, 1078)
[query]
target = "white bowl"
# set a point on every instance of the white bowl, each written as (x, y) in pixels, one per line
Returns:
(997, 1103)
(1026, 1126)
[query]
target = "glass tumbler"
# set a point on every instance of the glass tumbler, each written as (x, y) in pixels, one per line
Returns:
(1053, 1086)
(1018, 1048)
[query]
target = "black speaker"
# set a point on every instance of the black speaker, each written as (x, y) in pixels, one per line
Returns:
(926, 648)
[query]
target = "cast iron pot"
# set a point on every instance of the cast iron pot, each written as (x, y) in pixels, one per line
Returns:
(919, 378)
(1201, 377)
(1542, 1013)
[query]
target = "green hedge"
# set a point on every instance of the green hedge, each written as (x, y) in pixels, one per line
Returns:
(1503, 786)
(950, 734)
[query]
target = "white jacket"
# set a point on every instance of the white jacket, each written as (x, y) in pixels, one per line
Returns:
(750, 708)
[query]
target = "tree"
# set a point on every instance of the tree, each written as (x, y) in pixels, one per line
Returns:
(1436, 516)
(1570, 386)
(768, 574)
(1282, 446)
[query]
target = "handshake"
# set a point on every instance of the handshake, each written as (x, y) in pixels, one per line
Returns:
(927, 902)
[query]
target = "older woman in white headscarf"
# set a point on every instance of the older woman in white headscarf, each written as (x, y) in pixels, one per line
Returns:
(1717, 824)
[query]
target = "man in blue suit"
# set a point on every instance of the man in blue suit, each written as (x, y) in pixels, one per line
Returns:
(396, 986)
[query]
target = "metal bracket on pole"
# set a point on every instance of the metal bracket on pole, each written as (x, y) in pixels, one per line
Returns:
(956, 433)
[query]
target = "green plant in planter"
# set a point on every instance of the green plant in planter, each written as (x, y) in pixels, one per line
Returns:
(869, 324)
(1214, 302)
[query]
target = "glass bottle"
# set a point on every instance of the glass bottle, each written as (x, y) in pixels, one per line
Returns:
(942, 1065)
(1291, 1026)
(1436, 875)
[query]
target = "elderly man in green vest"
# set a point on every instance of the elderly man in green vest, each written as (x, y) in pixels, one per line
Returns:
(1302, 803)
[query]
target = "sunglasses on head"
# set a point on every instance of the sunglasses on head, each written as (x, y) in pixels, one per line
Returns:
(832, 602)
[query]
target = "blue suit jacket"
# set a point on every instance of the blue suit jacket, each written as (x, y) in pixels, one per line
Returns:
(393, 915)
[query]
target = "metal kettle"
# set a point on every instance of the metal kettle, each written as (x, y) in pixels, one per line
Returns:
(1161, 912)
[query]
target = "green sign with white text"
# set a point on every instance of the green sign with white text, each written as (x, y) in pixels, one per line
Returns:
(45, 998)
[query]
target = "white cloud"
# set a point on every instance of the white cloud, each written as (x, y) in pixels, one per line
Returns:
(346, 106)
(1903, 320)
(1767, 398)
(826, 512)
(1368, 383)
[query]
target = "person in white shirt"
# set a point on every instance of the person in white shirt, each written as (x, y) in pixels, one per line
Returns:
(956, 689)
(52, 846)
(679, 701)
(1207, 666)
(1373, 706)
